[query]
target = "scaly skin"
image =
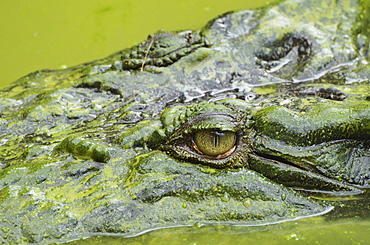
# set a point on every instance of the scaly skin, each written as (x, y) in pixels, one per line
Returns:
(108, 146)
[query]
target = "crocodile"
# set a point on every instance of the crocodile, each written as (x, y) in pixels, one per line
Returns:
(260, 117)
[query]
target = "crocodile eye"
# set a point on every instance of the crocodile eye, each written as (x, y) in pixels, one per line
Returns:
(215, 144)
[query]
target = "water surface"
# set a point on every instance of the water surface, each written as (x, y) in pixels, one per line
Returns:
(42, 34)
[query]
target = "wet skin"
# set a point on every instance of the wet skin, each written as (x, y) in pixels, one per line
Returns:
(254, 119)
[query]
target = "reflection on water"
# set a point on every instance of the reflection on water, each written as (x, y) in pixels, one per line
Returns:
(348, 223)
(307, 231)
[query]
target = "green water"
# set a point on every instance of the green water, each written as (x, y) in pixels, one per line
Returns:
(347, 223)
(41, 34)
(305, 231)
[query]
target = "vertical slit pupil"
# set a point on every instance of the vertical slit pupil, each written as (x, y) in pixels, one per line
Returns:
(213, 142)
(216, 138)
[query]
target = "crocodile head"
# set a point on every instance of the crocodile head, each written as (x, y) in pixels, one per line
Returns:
(241, 123)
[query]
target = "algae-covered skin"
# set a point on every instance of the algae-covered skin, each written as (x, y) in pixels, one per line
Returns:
(252, 120)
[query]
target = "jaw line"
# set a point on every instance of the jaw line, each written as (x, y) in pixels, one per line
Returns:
(291, 175)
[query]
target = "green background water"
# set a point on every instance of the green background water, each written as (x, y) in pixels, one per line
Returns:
(39, 34)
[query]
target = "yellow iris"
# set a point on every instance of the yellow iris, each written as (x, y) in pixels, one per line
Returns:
(213, 143)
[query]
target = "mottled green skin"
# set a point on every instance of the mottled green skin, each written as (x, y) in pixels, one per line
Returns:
(99, 148)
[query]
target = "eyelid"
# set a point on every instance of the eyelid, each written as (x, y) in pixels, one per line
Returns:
(221, 122)
(216, 121)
